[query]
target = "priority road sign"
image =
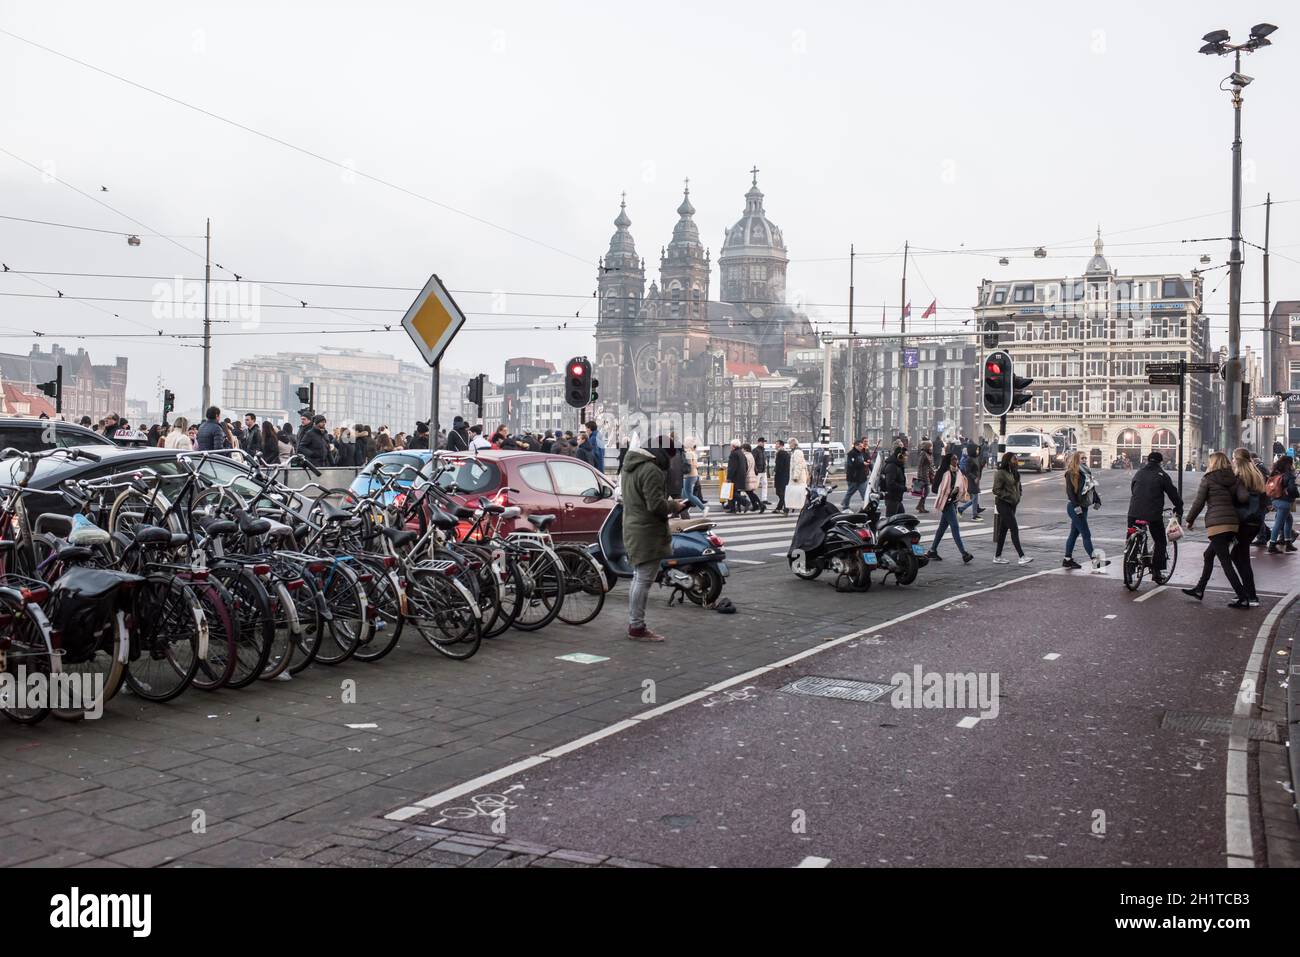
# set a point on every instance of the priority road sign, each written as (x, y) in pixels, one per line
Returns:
(1164, 378)
(433, 320)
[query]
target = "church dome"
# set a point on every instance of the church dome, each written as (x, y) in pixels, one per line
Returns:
(754, 234)
(622, 248)
(1097, 265)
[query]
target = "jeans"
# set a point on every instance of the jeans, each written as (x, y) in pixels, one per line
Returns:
(1220, 547)
(1007, 523)
(1078, 526)
(1281, 521)
(973, 504)
(643, 577)
(860, 488)
(689, 484)
(948, 521)
(1240, 555)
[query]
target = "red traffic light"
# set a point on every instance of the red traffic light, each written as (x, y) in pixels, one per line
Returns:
(993, 368)
(577, 370)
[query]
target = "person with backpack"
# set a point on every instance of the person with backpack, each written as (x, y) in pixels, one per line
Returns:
(1220, 493)
(972, 466)
(950, 487)
(893, 480)
(1006, 498)
(1081, 495)
(1251, 515)
(1150, 486)
(1281, 490)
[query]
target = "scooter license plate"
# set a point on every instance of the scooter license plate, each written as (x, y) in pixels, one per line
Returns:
(869, 558)
(918, 549)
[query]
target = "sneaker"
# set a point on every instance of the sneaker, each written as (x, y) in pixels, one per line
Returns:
(976, 518)
(1001, 561)
(967, 558)
(933, 556)
(1289, 548)
(1272, 548)
(643, 634)
(1070, 563)
(705, 512)
(1253, 601)
(1194, 593)
(1025, 559)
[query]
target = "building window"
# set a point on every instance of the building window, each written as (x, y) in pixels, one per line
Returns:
(1295, 377)
(1023, 294)
(999, 295)
(1173, 289)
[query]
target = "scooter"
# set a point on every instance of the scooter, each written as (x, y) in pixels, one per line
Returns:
(898, 544)
(827, 539)
(696, 570)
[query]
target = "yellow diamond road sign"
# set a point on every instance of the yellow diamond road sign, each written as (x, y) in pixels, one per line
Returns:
(433, 320)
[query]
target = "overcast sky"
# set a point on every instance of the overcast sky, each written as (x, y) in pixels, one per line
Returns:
(952, 125)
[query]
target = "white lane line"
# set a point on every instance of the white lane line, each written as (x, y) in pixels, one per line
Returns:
(968, 722)
(1051, 656)
(1152, 593)
(1236, 809)
(483, 780)
(1109, 617)
(811, 861)
(744, 561)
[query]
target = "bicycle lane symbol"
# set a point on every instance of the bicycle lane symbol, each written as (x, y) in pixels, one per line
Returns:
(491, 806)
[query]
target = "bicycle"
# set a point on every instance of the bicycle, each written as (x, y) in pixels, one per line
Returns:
(1138, 555)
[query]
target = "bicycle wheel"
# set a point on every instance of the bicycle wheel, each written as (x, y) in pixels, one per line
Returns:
(544, 581)
(387, 596)
(1133, 562)
(102, 668)
(1171, 562)
(255, 622)
(481, 582)
(510, 592)
(348, 624)
(284, 615)
(444, 613)
(584, 585)
(133, 508)
(217, 666)
(27, 651)
(169, 640)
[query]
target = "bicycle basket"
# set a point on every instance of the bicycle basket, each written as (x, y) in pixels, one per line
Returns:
(83, 606)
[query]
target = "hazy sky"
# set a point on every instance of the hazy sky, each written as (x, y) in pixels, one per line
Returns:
(952, 125)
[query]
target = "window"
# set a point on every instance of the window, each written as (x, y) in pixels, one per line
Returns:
(1173, 289)
(1295, 326)
(472, 476)
(999, 295)
(535, 476)
(1023, 294)
(572, 478)
(1295, 377)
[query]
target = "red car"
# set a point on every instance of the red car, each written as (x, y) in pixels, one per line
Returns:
(575, 493)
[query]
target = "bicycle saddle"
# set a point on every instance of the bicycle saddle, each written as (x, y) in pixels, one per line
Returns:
(332, 512)
(398, 536)
(465, 513)
(152, 535)
(1140, 521)
(253, 526)
(218, 526)
(492, 509)
(442, 520)
(73, 553)
(542, 522)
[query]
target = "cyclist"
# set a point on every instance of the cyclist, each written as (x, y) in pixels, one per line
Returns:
(1150, 487)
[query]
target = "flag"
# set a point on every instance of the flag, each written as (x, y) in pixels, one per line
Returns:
(907, 311)
(930, 309)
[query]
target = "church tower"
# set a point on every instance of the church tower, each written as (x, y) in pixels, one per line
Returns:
(753, 258)
(620, 281)
(684, 268)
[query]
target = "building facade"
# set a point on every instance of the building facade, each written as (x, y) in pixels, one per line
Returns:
(351, 386)
(88, 389)
(1285, 331)
(655, 346)
(1086, 341)
(520, 372)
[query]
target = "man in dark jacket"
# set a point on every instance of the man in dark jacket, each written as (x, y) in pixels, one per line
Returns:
(252, 440)
(972, 466)
(646, 509)
(548, 442)
(312, 444)
(855, 472)
(421, 439)
(211, 437)
(1150, 487)
(893, 481)
(780, 476)
(458, 437)
(737, 473)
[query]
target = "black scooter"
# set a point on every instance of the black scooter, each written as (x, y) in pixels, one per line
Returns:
(828, 539)
(696, 570)
(898, 544)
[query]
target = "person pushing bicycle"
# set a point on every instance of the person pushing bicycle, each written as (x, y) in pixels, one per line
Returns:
(1150, 487)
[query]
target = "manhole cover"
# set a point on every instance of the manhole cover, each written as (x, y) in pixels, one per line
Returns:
(1216, 724)
(845, 689)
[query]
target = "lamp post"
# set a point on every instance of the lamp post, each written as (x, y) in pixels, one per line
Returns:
(1217, 44)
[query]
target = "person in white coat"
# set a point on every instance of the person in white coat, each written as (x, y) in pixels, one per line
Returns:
(798, 488)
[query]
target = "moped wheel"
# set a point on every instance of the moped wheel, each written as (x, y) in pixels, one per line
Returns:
(706, 585)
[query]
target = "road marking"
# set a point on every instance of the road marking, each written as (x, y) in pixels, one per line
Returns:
(1109, 617)
(811, 861)
(1051, 656)
(1152, 594)
(1236, 809)
(581, 658)
(482, 781)
(744, 561)
(968, 722)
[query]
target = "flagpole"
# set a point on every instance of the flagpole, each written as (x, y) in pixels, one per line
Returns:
(849, 404)
(902, 345)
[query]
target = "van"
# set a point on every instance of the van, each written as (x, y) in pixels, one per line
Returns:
(1033, 450)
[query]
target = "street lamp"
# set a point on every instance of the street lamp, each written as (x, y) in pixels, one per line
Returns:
(1217, 43)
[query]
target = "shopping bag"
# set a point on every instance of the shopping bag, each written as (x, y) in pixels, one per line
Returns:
(919, 487)
(1173, 531)
(795, 496)
(726, 491)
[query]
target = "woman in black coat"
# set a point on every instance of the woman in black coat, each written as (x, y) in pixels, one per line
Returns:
(781, 477)
(1220, 493)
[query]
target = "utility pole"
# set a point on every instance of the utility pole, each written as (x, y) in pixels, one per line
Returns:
(207, 319)
(1232, 371)
(826, 385)
(1271, 379)
(850, 405)
(902, 346)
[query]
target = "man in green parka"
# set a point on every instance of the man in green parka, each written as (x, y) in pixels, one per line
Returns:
(646, 510)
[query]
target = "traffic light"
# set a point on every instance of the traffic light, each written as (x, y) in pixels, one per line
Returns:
(579, 386)
(1019, 398)
(54, 389)
(992, 332)
(474, 392)
(169, 401)
(996, 383)
(304, 395)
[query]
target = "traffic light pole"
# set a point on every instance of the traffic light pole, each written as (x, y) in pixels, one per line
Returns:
(1182, 393)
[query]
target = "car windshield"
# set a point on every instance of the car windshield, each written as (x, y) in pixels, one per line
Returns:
(393, 464)
(1022, 442)
(470, 475)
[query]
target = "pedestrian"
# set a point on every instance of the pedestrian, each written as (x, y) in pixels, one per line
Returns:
(1081, 495)
(347, 447)
(1006, 498)
(751, 480)
(736, 477)
(675, 479)
(1149, 488)
(421, 439)
(458, 437)
(477, 440)
(646, 510)
(781, 477)
(972, 467)
(893, 480)
(252, 441)
(193, 433)
(153, 438)
(304, 424)
(950, 488)
(313, 445)
(548, 442)
(269, 443)
(212, 436)
(855, 472)
(760, 467)
(596, 440)
(111, 424)
(1251, 516)
(179, 436)
(798, 473)
(1220, 493)
(925, 474)
(500, 437)
(690, 476)
(1281, 489)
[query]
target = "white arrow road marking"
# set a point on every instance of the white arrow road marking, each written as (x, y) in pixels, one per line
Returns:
(811, 861)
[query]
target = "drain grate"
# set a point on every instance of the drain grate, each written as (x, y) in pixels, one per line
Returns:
(1216, 724)
(845, 689)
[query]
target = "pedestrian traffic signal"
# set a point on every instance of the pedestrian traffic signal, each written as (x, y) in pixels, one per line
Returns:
(996, 385)
(578, 383)
(54, 388)
(992, 332)
(169, 401)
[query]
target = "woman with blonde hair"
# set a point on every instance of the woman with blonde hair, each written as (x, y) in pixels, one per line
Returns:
(1081, 495)
(1220, 493)
(179, 436)
(1252, 516)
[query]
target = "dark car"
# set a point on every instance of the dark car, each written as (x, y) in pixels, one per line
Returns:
(33, 435)
(559, 485)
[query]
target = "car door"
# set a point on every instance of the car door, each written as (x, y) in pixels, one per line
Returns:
(578, 489)
(536, 495)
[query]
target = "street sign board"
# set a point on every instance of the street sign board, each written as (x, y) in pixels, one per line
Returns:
(1164, 378)
(1293, 403)
(1162, 367)
(911, 357)
(1203, 367)
(433, 320)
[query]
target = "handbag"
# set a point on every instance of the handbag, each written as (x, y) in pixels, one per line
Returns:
(920, 487)
(726, 491)
(1173, 531)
